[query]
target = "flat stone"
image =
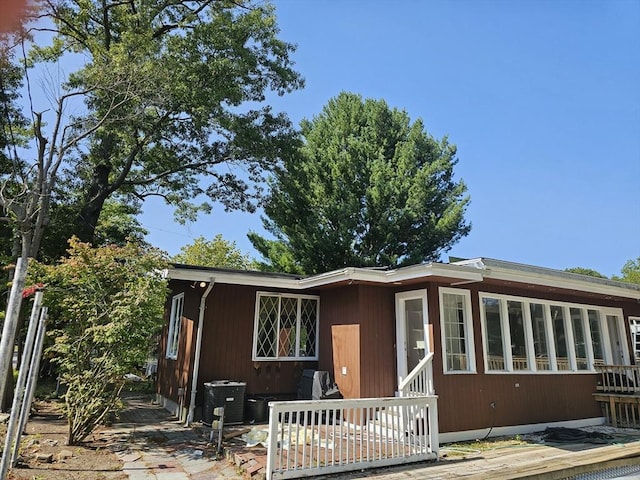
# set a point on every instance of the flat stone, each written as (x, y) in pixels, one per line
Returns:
(44, 457)
(64, 454)
(130, 457)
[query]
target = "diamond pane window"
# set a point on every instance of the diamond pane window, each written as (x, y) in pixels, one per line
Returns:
(285, 327)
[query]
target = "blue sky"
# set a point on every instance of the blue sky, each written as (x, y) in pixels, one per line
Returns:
(542, 99)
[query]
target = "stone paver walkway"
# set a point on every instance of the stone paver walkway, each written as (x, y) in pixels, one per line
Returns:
(153, 445)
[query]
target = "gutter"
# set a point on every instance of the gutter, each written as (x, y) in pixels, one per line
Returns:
(196, 361)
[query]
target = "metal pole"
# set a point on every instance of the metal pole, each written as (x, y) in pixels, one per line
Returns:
(7, 341)
(19, 392)
(34, 369)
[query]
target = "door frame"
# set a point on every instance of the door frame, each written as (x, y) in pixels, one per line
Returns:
(401, 334)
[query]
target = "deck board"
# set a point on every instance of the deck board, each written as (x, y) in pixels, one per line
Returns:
(540, 462)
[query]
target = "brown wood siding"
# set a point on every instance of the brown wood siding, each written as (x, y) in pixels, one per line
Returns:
(464, 399)
(377, 341)
(228, 346)
(176, 373)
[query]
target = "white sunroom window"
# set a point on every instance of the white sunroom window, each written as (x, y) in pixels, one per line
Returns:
(286, 327)
(175, 319)
(529, 335)
(456, 330)
(634, 324)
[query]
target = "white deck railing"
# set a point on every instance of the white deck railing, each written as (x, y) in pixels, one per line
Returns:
(420, 379)
(319, 437)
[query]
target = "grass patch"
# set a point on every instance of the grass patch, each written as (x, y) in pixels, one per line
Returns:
(475, 447)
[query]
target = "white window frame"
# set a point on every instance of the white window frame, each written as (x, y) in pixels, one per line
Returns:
(468, 330)
(280, 296)
(634, 324)
(175, 321)
(551, 351)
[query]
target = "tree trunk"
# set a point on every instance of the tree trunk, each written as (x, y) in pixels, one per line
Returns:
(98, 192)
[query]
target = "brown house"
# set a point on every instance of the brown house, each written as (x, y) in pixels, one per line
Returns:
(516, 348)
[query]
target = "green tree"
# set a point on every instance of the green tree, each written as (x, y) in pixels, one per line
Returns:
(175, 92)
(169, 101)
(106, 305)
(213, 253)
(630, 272)
(585, 271)
(367, 188)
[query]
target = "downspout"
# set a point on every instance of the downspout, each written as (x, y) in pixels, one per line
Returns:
(196, 360)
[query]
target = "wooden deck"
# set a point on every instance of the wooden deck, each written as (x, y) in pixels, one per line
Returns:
(539, 462)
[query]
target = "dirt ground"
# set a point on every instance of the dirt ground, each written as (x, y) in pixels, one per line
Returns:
(47, 435)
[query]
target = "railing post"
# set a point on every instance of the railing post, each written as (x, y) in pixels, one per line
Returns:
(434, 436)
(272, 450)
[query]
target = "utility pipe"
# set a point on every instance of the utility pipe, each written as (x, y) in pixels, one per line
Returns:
(196, 360)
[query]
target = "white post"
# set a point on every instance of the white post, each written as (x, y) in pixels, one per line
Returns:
(7, 341)
(272, 449)
(34, 369)
(434, 429)
(19, 392)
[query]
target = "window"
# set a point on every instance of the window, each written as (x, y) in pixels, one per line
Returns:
(595, 325)
(530, 335)
(579, 339)
(285, 327)
(175, 320)
(494, 334)
(634, 324)
(562, 352)
(540, 336)
(518, 339)
(457, 330)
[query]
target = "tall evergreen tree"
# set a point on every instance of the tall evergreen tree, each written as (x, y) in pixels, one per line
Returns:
(367, 188)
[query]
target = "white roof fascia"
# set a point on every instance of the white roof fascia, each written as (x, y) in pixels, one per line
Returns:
(435, 270)
(335, 276)
(234, 278)
(563, 283)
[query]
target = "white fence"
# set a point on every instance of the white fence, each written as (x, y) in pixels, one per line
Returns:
(318, 437)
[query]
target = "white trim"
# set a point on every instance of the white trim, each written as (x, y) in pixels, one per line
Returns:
(401, 334)
(514, 272)
(239, 277)
(464, 435)
(634, 327)
(565, 307)
(468, 330)
(463, 272)
(256, 318)
(175, 321)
